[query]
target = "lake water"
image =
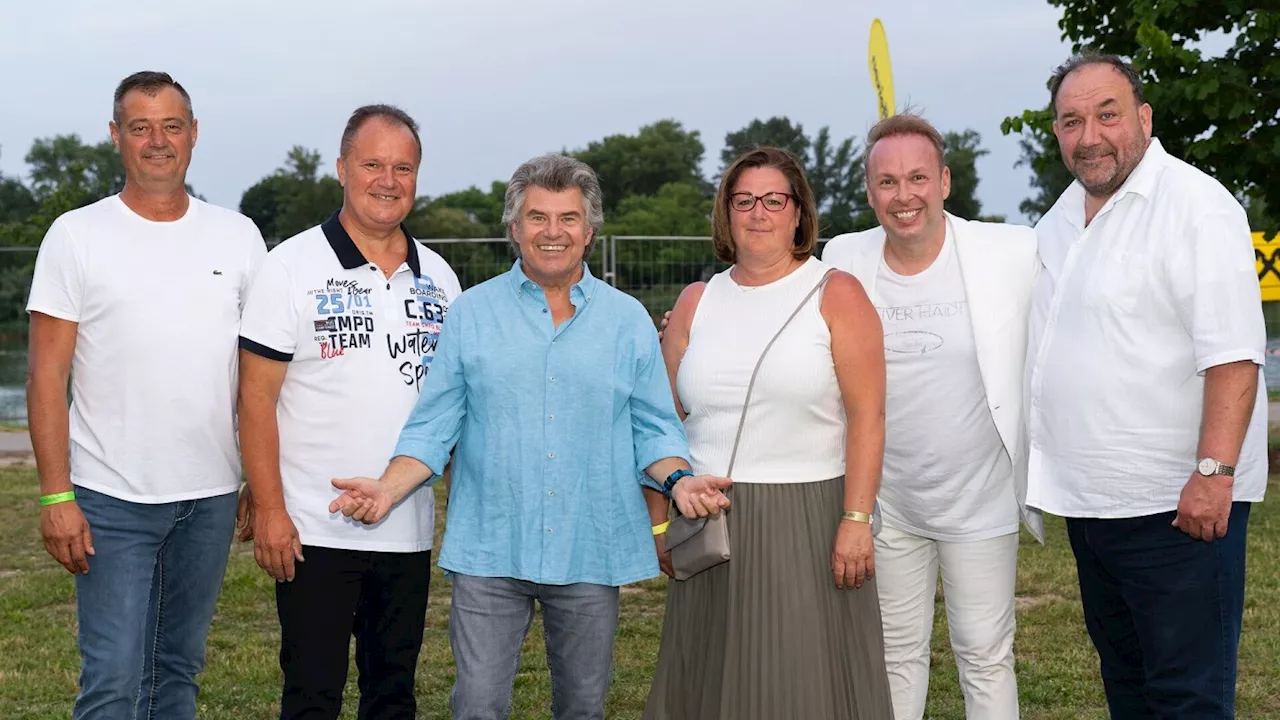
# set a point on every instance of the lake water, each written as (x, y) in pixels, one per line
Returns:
(13, 373)
(13, 390)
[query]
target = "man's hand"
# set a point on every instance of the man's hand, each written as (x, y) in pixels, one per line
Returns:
(244, 515)
(664, 555)
(66, 535)
(666, 318)
(853, 557)
(363, 499)
(701, 496)
(1204, 507)
(276, 544)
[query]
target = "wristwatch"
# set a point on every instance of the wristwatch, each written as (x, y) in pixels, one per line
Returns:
(672, 479)
(1210, 467)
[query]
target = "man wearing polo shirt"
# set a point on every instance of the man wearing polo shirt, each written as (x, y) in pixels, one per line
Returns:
(137, 298)
(552, 386)
(339, 331)
(1146, 413)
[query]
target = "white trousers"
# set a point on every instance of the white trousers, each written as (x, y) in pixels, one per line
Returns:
(978, 586)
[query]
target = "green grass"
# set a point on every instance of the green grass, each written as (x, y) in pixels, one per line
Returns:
(1057, 669)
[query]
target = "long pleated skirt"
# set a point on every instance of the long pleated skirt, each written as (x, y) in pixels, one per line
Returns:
(767, 635)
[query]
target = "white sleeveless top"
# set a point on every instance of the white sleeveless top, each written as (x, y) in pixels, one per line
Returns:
(795, 427)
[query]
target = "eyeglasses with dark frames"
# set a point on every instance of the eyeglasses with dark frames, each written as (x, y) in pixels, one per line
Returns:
(746, 202)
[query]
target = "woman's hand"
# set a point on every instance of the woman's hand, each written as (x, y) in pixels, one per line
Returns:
(853, 557)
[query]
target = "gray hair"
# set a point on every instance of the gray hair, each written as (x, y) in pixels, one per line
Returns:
(556, 173)
(149, 83)
(1091, 57)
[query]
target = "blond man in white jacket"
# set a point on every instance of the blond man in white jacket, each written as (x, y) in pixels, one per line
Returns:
(953, 298)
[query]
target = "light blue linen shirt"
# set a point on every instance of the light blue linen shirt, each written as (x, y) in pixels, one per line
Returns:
(553, 430)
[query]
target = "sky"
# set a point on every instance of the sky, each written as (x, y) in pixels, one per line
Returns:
(495, 82)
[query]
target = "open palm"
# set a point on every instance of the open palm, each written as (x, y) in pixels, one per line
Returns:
(363, 499)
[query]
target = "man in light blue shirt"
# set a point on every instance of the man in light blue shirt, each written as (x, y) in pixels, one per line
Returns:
(551, 385)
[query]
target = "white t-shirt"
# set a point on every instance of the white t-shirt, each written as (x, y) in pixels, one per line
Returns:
(1126, 316)
(358, 346)
(153, 379)
(946, 473)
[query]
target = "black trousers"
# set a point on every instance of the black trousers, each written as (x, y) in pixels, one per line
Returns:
(1164, 612)
(381, 598)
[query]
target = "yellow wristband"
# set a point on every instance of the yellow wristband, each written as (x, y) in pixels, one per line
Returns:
(659, 529)
(855, 516)
(57, 498)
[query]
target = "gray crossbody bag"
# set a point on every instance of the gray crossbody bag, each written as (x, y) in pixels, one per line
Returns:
(698, 544)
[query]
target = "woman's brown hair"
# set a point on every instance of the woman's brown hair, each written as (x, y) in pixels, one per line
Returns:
(806, 238)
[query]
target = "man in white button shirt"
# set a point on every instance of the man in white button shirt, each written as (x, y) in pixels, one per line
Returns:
(338, 333)
(1146, 412)
(137, 297)
(953, 297)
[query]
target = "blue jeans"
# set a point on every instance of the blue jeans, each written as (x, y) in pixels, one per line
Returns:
(1164, 612)
(146, 603)
(487, 625)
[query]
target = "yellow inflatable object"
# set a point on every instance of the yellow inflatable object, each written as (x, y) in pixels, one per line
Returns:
(881, 73)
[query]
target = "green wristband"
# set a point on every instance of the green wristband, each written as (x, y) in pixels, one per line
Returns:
(57, 498)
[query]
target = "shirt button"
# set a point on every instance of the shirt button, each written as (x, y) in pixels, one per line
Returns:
(388, 286)
(551, 493)
(544, 310)
(548, 530)
(551, 417)
(551, 455)
(553, 378)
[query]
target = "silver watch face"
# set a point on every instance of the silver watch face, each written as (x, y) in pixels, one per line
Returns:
(1207, 466)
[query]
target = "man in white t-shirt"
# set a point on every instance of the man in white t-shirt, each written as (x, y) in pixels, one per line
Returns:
(337, 335)
(1146, 403)
(953, 298)
(137, 299)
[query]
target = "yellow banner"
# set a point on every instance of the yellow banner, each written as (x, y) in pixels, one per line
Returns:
(1267, 255)
(881, 73)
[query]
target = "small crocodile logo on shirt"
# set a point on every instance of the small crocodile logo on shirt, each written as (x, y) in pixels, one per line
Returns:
(217, 272)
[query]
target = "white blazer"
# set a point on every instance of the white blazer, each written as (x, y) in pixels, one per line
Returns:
(999, 266)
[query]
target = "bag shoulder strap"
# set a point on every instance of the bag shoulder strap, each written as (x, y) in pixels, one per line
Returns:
(733, 456)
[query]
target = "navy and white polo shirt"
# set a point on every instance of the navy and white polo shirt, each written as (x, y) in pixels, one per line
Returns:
(358, 346)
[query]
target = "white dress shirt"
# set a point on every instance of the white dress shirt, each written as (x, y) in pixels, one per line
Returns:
(1127, 315)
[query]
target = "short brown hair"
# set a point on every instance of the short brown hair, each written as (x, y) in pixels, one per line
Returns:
(907, 123)
(388, 113)
(766, 157)
(150, 83)
(1091, 57)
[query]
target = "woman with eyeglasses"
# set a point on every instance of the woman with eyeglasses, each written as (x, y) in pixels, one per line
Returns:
(789, 627)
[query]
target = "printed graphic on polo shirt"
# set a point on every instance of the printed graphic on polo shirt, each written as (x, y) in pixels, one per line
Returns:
(343, 317)
(921, 329)
(424, 311)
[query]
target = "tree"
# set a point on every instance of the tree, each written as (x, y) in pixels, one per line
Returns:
(16, 201)
(641, 164)
(1219, 114)
(84, 173)
(1256, 209)
(660, 268)
(1049, 175)
(777, 132)
(677, 209)
(834, 172)
(961, 156)
(293, 198)
(465, 213)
